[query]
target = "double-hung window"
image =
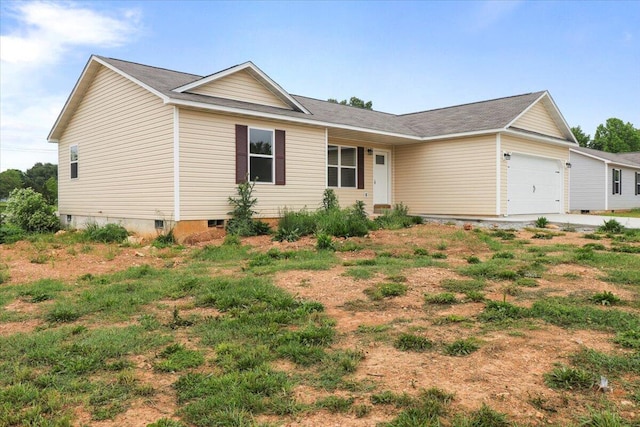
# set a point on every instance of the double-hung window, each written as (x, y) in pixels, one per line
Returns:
(637, 183)
(616, 184)
(261, 159)
(73, 161)
(341, 166)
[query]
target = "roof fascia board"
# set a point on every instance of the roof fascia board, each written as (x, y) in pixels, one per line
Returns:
(606, 161)
(567, 128)
(525, 111)
(262, 77)
(556, 112)
(71, 96)
(462, 134)
(539, 138)
(75, 92)
(260, 114)
(133, 79)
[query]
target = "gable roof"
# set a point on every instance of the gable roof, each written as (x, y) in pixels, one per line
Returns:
(257, 74)
(173, 88)
(623, 159)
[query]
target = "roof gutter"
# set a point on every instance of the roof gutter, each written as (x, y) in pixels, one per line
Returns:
(547, 139)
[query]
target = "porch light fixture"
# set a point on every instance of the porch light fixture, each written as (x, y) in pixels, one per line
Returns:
(568, 165)
(369, 151)
(506, 155)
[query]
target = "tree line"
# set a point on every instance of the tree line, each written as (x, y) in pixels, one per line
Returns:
(614, 136)
(42, 178)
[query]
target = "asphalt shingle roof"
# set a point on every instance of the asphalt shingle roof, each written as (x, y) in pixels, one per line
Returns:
(478, 116)
(623, 158)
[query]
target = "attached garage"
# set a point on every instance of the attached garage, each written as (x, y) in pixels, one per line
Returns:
(534, 185)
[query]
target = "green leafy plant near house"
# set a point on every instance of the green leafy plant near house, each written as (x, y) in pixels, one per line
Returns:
(28, 211)
(242, 222)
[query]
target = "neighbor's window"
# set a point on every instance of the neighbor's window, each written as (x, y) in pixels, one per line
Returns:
(637, 183)
(617, 181)
(261, 155)
(73, 161)
(341, 166)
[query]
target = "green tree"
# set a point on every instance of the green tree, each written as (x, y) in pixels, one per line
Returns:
(615, 136)
(10, 180)
(29, 210)
(584, 140)
(37, 177)
(354, 102)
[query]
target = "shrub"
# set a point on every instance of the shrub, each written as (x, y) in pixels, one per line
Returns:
(109, 233)
(398, 217)
(242, 222)
(611, 226)
(325, 242)
(566, 378)
(10, 233)
(29, 210)
(541, 222)
(604, 298)
(330, 200)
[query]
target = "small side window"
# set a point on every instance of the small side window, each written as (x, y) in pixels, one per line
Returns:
(73, 161)
(616, 185)
(637, 183)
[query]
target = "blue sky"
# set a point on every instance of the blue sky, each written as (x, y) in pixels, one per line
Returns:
(403, 56)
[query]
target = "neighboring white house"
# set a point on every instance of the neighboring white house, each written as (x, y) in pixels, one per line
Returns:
(602, 181)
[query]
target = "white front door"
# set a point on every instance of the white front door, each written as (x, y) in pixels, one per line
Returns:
(380, 178)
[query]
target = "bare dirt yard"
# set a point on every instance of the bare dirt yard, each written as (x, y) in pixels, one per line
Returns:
(506, 371)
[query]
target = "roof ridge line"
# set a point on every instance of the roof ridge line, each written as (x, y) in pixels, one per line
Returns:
(471, 103)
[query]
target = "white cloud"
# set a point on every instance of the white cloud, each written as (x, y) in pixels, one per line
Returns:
(36, 39)
(46, 30)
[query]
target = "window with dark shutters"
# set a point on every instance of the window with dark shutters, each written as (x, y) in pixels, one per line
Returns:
(258, 156)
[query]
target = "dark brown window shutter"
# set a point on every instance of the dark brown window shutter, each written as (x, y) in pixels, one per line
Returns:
(360, 168)
(241, 153)
(280, 158)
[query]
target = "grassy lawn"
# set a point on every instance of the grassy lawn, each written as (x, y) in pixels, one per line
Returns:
(633, 213)
(227, 335)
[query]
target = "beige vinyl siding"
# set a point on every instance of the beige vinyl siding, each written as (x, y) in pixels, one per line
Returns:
(124, 136)
(241, 86)
(348, 196)
(207, 166)
(537, 119)
(541, 149)
(447, 177)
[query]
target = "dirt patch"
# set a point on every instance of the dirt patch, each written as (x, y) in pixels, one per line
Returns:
(506, 372)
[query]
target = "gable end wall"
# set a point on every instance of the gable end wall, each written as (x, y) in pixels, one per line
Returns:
(241, 86)
(125, 148)
(537, 119)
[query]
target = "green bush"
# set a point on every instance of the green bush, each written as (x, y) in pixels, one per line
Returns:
(10, 233)
(242, 222)
(325, 242)
(108, 233)
(29, 210)
(611, 226)
(541, 222)
(398, 217)
(330, 200)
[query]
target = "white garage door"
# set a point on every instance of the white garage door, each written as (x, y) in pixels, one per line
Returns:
(534, 185)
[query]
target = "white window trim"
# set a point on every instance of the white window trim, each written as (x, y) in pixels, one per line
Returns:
(340, 166)
(272, 156)
(614, 182)
(74, 161)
